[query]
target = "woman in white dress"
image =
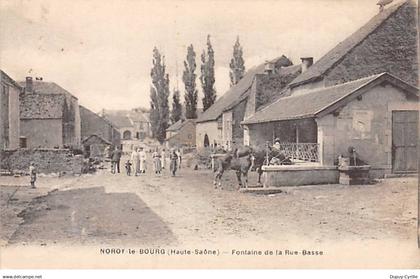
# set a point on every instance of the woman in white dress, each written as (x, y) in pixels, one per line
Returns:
(135, 160)
(143, 158)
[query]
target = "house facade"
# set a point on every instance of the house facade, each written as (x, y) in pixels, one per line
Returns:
(361, 94)
(49, 116)
(220, 125)
(182, 133)
(9, 112)
(133, 125)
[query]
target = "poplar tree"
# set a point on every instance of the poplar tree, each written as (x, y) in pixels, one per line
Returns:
(159, 97)
(237, 64)
(176, 113)
(207, 76)
(189, 78)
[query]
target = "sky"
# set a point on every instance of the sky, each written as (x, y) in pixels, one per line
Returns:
(101, 51)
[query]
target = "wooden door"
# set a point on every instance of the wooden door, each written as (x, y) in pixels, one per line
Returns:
(404, 141)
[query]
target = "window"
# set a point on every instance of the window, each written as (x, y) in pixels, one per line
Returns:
(23, 142)
(127, 135)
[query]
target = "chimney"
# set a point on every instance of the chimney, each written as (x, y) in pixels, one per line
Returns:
(269, 67)
(306, 63)
(29, 85)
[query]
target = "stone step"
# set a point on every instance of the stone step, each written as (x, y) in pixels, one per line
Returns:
(261, 190)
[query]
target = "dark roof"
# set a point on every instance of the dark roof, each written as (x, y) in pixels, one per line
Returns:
(320, 101)
(43, 87)
(237, 93)
(8, 79)
(119, 118)
(41, 106)
(95, 139)
(179, 124)
(84, 110)
(318, 69)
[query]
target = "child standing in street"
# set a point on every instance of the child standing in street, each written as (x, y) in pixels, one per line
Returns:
(128, 167)
(32, 173)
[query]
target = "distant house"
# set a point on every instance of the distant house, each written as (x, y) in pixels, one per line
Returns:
(363, 94)
(220, 124)
(95, 146)
(133, 125)
(94, 124)
(49, 116)
(9, 112)
(181, 133)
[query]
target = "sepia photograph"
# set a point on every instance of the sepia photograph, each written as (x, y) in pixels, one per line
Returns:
(209, 134)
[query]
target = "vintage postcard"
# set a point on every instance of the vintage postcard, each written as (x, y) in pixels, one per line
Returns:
(209, 134)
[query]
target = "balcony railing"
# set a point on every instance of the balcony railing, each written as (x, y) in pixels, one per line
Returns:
(301, 151)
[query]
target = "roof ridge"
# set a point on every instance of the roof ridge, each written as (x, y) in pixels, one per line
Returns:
(386, 14)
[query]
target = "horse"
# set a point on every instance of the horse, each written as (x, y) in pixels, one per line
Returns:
(240, 161)
(264, 156)
(245, 159)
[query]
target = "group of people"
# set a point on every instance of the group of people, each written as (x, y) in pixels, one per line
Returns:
(137, 164)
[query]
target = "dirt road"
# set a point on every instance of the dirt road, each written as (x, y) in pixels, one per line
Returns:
(157, 211)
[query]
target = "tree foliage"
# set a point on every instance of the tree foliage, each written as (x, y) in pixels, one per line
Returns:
(237, 64)
(207, 76)
(176, 113)
(189, 78)
(159, 95)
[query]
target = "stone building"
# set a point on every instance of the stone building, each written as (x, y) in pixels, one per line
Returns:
(94, 124)
(49, 116)
(9, 112)
(181, 133)
(133, 125)
(221, 123)
(363, 93)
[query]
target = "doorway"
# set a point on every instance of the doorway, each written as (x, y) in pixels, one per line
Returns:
(404, 141)
(206, 140)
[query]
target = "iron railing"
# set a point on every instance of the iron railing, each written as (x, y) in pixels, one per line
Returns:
(301, 151)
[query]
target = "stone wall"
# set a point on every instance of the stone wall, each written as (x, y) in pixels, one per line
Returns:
(185, 136)
(60, 161)
(211, 129)
(365, 124)
(238, 114)
(9, 113)
(71, 123)
(42, 133)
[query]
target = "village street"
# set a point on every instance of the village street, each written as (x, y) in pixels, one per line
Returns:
(185, 210)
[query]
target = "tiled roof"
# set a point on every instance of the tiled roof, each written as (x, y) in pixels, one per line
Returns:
(318, 69)
(137, 115)
(179, 124)
(119, 118)
(126, 118)
(314, 102)
(238, 92)
(43, 87)
(42, 106)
